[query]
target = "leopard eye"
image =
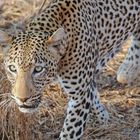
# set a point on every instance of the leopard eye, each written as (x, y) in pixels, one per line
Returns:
(12, 68)
(38, 69)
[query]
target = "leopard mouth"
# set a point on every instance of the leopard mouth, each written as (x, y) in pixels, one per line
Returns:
(29, 106)
(28, 109)
(26, 106)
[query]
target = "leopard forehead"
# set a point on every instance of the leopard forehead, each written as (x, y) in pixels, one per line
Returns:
(27, 49)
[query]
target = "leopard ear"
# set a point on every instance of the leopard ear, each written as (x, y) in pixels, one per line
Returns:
(56, 43)
(5, 39)
(58, 35)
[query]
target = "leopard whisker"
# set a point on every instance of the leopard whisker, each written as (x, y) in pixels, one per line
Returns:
(7, 108)
(5, 94)
(3, 103)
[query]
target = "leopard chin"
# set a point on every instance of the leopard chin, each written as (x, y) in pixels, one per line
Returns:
(27, 110)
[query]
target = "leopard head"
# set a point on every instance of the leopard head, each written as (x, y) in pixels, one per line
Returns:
(31, 63)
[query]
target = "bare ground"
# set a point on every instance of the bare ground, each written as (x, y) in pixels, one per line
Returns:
(121, 101)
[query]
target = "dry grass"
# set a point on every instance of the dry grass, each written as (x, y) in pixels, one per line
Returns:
(122, 101)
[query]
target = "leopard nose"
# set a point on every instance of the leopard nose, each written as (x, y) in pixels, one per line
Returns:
(19, 100)
(23, 99)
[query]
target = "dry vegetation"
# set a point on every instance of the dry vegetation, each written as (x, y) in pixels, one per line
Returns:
(122, 101)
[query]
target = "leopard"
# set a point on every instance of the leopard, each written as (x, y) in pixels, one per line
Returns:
(70, 41)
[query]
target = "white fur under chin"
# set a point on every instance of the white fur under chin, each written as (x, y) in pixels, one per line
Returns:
(27, 110)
